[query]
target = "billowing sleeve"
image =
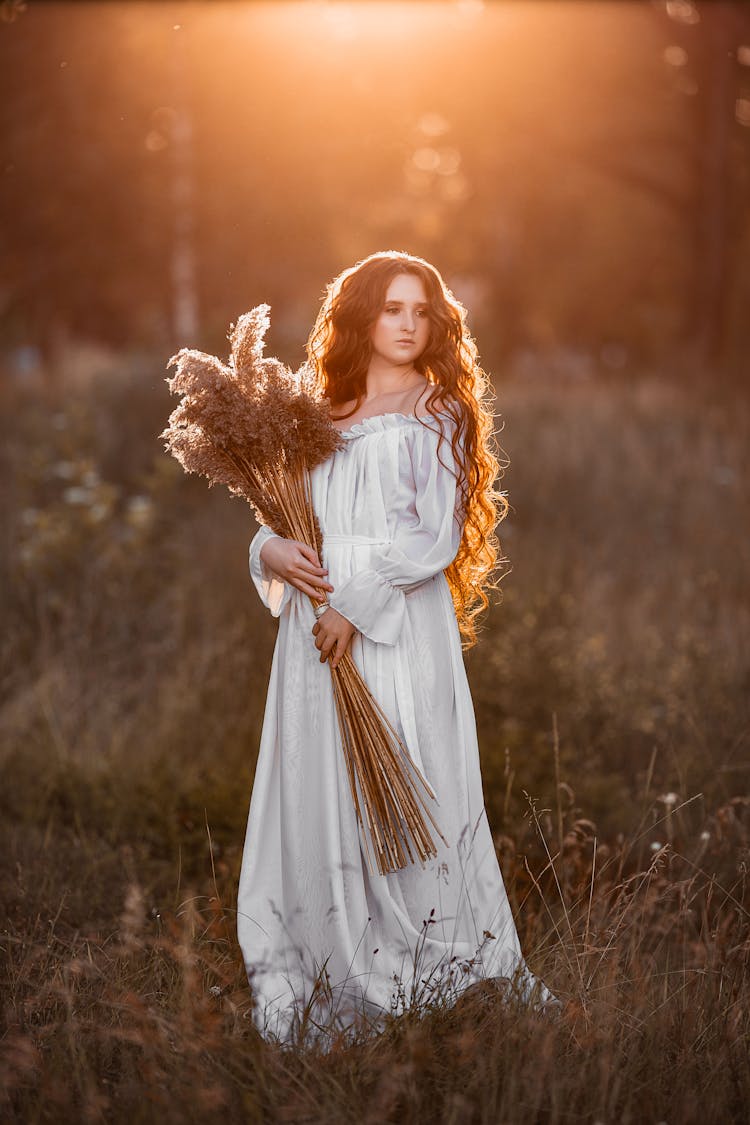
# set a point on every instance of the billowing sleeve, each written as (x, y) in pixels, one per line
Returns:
(428, 524)
(274, 592)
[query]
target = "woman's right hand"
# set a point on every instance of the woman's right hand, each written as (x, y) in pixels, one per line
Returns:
(297, 564)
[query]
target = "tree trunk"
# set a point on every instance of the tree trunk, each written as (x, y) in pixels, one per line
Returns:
(707, 301)
(185, 318)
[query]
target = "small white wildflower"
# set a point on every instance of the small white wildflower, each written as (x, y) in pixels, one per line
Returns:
(66, 470)
(656, 846)
(669, 799)
(705, 835)
(76, 495)
(140, 510)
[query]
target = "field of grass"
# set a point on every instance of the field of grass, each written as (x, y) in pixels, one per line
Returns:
(612, 698)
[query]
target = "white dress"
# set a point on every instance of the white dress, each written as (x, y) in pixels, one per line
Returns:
(389, 515)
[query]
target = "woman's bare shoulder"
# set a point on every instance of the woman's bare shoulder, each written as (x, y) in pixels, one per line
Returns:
(343, 410)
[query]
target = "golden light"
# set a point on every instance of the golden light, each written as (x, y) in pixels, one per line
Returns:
(372, 25)
(342, 126)
(470, 8)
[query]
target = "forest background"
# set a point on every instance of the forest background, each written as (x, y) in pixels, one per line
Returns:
(580, 174)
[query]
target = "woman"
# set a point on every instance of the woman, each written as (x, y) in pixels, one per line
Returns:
(407, 511)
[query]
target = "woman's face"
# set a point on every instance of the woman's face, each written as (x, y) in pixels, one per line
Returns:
(402, 330)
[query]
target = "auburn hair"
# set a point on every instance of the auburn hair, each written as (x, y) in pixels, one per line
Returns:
(339, 350)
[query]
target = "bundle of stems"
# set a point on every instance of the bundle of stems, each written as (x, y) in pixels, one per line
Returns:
(260, 429)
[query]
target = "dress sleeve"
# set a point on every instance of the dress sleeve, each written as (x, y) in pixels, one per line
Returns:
(428, 525)
(274, 592)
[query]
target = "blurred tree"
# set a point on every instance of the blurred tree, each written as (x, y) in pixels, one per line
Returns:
(185, 318)
(693, 163)
(581, 170)
(718, 211)
(83, 187)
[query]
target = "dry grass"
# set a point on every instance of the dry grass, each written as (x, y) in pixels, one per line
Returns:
(612, 704)
(127, 1001)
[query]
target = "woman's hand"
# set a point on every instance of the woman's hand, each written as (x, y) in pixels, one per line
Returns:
(297, 564)
(333, 634)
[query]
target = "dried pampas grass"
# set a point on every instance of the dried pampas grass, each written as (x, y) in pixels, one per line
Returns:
(259, 428)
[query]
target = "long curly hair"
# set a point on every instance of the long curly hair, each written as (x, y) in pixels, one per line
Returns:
(339, 351)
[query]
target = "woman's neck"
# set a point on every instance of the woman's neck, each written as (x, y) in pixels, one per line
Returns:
(386, 381)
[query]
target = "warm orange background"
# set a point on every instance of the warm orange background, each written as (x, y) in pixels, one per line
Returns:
(578, 171)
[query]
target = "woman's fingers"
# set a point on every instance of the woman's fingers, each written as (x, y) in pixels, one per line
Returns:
(315, 584)
(316, 591)
(313, 574)
(332, 637)
(340, 651)
(310, 584)
(330, 645)
(311, 558)
(324, 641)
(310, 567)
(310, 590)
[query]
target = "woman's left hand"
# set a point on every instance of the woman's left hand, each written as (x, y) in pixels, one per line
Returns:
(332, 633)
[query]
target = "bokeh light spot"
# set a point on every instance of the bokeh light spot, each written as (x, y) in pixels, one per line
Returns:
(683, 11)
(433, 124)
(155, 141)
(426, 159)
(449, 161)
(742, 111)
(675, 56)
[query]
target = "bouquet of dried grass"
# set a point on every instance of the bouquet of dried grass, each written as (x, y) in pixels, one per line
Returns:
(259, 428)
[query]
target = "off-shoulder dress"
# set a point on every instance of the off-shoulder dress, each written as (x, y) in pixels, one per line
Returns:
(308, 908)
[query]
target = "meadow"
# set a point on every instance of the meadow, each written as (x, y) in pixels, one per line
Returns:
(612, 698)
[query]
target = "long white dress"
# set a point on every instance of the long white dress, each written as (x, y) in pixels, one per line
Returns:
(307, 905)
